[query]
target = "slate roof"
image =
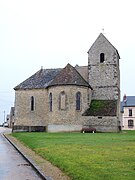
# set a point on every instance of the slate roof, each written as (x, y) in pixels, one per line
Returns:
(51, 77)
(129, 102)
(69, 76)
(40, 79)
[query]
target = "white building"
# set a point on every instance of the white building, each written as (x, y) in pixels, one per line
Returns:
(128, 113)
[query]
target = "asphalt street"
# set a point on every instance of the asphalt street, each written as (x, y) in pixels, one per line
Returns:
(12, 165)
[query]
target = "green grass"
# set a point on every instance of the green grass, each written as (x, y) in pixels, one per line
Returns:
(86, 156)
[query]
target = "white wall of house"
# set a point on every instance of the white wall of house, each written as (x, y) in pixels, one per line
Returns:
(128, 118)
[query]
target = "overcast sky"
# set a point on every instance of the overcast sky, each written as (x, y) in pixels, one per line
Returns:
(52, 33)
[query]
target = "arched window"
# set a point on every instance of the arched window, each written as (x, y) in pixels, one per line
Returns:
(62, 101)
(130, 123)
(50, 101)
(32, 103)
(102, 57)
(78, 101)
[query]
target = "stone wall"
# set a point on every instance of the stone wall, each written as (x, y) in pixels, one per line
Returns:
(42, 116)
(58, 120)
(102, 123)
(68, 116)
(23, 113)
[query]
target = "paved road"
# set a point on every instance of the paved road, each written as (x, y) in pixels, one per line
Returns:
(12, 165)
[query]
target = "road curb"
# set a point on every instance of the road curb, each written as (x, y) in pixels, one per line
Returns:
(31, 162)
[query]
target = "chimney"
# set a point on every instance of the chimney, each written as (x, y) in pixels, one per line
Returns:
(124, 98)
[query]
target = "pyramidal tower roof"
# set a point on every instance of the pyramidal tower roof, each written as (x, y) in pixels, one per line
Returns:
(102, 38)
(69, 76)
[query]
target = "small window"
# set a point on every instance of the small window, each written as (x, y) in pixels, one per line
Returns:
(50, 101)
(62, 101)
(130, 112)
(78, 101)
(130, 123)
(99, 117)
(32, 103)
(102, 57)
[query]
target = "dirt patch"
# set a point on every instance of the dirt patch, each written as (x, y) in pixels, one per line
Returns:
(46, 167)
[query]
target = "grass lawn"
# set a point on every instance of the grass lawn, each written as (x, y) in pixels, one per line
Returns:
(86, 156)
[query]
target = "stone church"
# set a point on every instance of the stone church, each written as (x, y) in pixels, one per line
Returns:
(69, 99)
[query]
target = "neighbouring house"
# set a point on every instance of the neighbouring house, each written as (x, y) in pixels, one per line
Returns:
(7, 118)
(10, 118)
(71, 98)
(128, 112)
(5, 124)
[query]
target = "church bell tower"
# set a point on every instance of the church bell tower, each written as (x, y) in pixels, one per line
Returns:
(103, 69)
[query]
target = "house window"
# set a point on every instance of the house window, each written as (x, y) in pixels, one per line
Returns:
(32, 103)
(102, 57)
(50, 101)
(62, 101)
(130, 112)
(130, 123)
(78, 101)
